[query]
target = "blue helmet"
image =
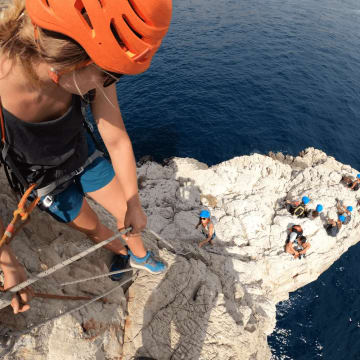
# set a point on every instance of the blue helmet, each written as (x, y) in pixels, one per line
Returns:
(305, 200)
(349, 208)
(358, 176)
(319, 208)
(205, 214)
(342, 218)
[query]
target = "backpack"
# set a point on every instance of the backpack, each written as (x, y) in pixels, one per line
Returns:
(332, 230)
(299, 211)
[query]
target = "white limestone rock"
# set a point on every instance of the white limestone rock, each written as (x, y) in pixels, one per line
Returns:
(214, 302)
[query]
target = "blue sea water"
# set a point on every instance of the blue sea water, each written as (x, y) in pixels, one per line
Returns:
(235, 77)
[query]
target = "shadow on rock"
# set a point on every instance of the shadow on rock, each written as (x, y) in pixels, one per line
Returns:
(182, 313)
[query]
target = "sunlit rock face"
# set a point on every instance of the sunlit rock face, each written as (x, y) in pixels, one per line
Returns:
(215, 302)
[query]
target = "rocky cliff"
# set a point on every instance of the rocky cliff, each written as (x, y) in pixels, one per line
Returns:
(215, 302)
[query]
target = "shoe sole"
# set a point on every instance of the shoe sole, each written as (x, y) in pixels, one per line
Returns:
(142, 267)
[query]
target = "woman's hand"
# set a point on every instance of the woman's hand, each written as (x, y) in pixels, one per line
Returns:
(13, 277)
(14, 274)
(136, 218)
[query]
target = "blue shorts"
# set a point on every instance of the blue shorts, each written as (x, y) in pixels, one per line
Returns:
(67, 204)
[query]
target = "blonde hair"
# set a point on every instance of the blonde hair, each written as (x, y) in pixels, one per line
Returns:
(17, 41)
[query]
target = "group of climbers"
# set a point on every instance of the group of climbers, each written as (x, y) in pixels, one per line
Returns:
(297, 244)
(344, 216)
(299, 208)
(351, 183)
(54, 56)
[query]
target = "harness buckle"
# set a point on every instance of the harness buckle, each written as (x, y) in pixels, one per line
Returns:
(79, 170)
(47, 201)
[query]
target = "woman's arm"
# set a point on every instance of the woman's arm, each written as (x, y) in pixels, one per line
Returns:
(356, 181)
(306, 247)
(107, 114)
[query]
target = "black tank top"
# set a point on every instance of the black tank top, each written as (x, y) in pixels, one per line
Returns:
(47, 150)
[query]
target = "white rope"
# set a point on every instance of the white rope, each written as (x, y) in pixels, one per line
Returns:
(97, 277)
(5, 299)
(19, 333)
(12, 335)
(167, 243)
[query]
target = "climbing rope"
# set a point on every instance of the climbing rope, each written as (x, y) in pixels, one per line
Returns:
(11, 335)
(5, 299)
(177, 252)
(23, 213)
(96, 277)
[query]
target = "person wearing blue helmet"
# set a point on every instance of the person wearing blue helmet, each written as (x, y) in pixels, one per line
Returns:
(333, 227)
(296, 243)
(298, 208)
(344, 211)
(351, 183)
(313, 214)
(207, 227)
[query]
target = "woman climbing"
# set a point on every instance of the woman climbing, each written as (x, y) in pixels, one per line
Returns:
(207, 228)
(52, 54)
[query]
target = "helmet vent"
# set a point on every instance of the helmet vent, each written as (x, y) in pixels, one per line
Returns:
(131, 28)
(79, 6)
(100, 3)
(136, 11)
(46, 3)
(117, 36)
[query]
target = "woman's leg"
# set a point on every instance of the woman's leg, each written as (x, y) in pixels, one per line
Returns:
(88, 222)
(112, 198)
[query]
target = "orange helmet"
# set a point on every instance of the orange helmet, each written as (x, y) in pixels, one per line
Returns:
(119, 35)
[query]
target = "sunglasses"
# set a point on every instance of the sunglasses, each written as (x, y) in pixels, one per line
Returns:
(110, 78)
(203, 218)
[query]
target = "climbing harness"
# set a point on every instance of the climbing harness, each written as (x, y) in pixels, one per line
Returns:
(21, 213)
(17, 181)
